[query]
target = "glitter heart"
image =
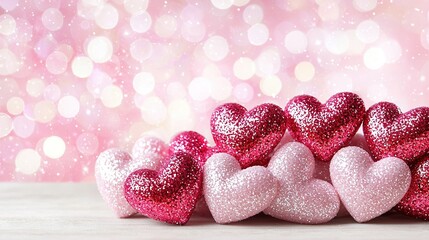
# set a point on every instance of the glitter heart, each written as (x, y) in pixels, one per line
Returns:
(192, 143)
(233, 194)
(324, 128)
(169, 195)
(390, 133)
(113, 166)
(249, 136)
(367, 188)
(416, 201)
(302, 198)
(321, 170)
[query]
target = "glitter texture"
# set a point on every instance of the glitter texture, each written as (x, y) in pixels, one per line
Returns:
(321, 170)
(233, 194)
(392, 133)
(192, 143)
(416, 202)
(249, 136)
(302, 198)
(113, 166)
(139, 66)
(324, 128)
(367, 188)
(169, 195)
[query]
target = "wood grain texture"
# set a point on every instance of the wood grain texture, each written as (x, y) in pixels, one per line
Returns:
(76, 211)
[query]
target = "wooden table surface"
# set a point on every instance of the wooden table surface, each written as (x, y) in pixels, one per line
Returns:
(76, 211)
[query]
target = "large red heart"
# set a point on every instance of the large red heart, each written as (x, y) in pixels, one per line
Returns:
(416, 201)
(324, 128)
(391, 133)
(169, 195)
(249, 136)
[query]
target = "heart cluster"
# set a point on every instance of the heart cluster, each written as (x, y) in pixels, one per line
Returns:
(328, 170)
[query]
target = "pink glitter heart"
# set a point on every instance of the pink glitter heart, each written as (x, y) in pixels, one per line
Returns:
(321, 170)
(324, 128)
(192, 143)
(416, 202)
(249, 136)
(233, 194)
(113, 166)
(390, 133)
(169, 195)
(302, 198)
(367, 188)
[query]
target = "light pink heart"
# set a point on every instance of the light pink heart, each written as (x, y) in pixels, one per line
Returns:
(302, 198)
(322, 168)
(233, 194)
(367, 188)
(113, 166)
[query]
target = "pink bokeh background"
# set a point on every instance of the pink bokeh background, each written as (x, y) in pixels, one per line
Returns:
(81, 76)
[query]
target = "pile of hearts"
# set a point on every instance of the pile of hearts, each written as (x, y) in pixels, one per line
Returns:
(320, 169)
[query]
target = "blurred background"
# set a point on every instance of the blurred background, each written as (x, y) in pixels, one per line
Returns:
(80, 76)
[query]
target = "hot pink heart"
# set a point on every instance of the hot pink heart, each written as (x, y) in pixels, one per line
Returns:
(416, 202)
(302, 198)
(113, 165)
(249, 136)
(324, 128)
(367, 188)
(390, 133)
(233, 194)
(169, 195)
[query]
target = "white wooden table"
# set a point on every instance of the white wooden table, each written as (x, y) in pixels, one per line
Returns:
(76, 211)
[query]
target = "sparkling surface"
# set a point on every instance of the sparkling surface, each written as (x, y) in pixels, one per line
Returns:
(391, 133)
(324, 128)
(302, 198)
(367, 188)
(321, 169)
(249, 136)
(49, 40)
(113, 165)
(168, 195)
(416, 201)
(233, 194)
(192, 143)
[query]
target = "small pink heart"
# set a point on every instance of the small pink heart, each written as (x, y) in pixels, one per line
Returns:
(249, 136)
(324, 128)
(302, 198)
(322, 168)
(390, 133)
(233, 194)
(367, 188)
(113, 165)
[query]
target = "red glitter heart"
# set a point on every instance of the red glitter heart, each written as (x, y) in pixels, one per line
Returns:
(169, 195)
(416, 201)
(249, 136)
(391, 133)
(192, 143)
(324, 128)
